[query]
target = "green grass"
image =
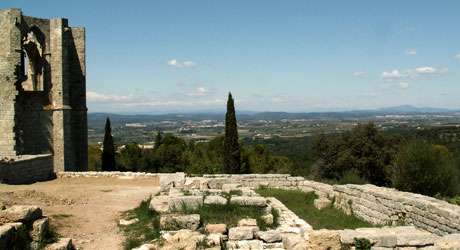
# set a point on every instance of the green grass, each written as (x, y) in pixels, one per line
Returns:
(228, 214)
(60, 216)
(49, 238)
(302, 204)
(145, 230)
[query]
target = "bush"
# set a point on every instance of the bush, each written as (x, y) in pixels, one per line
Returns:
(421, 167)
(362, 244)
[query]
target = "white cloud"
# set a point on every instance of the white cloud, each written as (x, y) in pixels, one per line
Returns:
(276, 100)
(357, 74)
(175, 103)
(412, 73)
(425, 70)
(198, 92)
(411, 52)
(96, 97)
(457, 56)
(212, 102)
(393, 74)
(386, 87)
(186, 64)
(404, 85)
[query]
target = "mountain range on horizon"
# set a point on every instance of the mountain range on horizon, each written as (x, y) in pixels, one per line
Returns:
(402, 109)
(243, 115)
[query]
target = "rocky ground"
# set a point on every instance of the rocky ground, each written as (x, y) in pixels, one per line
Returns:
(84, 209)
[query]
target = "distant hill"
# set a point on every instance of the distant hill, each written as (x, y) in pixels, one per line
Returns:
(412, 109)
(98, 119)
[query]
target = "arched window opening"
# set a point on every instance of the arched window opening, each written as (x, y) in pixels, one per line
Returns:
(33, 62)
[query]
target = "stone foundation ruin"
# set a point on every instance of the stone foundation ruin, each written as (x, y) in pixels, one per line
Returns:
(43, 122)
(428, 223)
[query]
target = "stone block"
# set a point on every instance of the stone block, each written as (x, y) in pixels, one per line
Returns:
(61, 244)
(241, 233)
(322, 203)
(450, 241)
(7, 231)
(268, 218)
(191, 202)
(215, 199)
(184, 239)
(124, 222)
(175, 222)
(247, 223)
(416, 239)
(145, 247)
(291, 241)
(192, 183)
(217, 183)
(250, 244)
(324, 240)
(249, 201)
(214, 239)
(230, 187)
(40, 228)
(269, 236)
(20, 214)
(159, 203)
(216, 228)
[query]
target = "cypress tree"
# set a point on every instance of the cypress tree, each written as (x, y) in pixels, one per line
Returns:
(158, 140)
(232, 161)
(108, 152)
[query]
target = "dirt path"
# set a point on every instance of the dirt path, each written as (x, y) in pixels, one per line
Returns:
(84, 209)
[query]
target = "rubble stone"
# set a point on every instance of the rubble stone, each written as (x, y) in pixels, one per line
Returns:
(241, 233)
(324, 240)
(216, 228)
(192, 202)
(215, 199)
(172, 222)
(20, 214)
(40, 228)
(249, 201)
(269, 236)
(322, 203)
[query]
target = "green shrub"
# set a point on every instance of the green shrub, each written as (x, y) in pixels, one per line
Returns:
(362, 244)
(423, 168)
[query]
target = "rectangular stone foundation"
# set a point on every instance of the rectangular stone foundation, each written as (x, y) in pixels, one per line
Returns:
(26, 169)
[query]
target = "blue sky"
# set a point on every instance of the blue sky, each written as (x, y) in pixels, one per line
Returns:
(182, 56)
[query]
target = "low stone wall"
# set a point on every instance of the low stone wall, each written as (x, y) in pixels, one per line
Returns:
(26, 169)
(97, 174)
(381, 205)
(164, 178)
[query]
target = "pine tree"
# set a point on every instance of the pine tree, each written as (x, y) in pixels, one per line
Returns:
(232, 161)
(108, 153)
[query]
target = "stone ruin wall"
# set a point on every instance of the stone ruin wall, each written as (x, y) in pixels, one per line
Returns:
(42, 94)
(27, 168)
(378, 205)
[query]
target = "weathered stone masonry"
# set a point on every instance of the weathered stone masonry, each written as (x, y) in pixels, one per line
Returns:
(42, 92)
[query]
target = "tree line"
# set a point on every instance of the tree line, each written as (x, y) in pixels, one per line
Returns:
(223, 154)
(366, 155)
(361, 155)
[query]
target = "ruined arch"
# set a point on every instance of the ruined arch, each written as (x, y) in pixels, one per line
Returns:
(33, 47)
